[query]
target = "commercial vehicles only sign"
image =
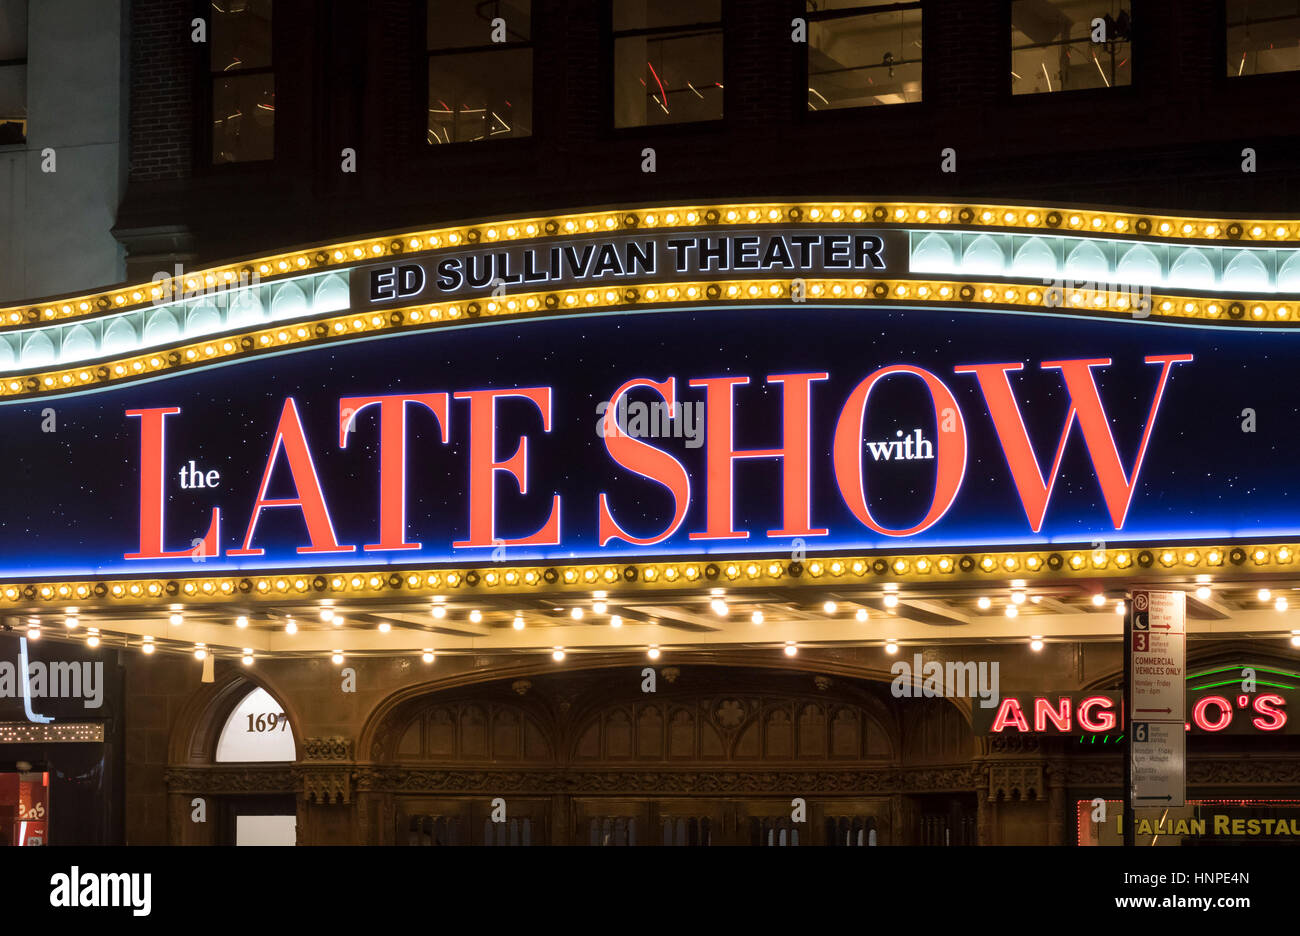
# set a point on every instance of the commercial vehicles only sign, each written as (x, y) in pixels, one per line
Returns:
(1157, 648)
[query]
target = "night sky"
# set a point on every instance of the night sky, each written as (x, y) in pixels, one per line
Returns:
(74, 506)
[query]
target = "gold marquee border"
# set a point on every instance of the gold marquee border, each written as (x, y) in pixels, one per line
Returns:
(1032, 565)
(1099, 222)
(941, 293)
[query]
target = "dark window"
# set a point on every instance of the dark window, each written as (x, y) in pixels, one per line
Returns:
(13, 71)
(862, 53)
(480, 70)
(1263, 36)
(1068, 45)
(243, 81)
(667, 61)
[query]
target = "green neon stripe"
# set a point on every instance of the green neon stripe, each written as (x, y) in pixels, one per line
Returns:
(1224, 669)
(1233, 682)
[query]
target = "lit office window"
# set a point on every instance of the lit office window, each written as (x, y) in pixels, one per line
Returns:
(480, 70)
(863, 52)
(243, 81)
(667, 61)
(1069, 45)
(13, 71)
(1263, 36)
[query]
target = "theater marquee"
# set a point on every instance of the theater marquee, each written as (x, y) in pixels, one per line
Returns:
(663, 396)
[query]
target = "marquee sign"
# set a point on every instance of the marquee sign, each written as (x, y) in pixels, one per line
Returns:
(661, 392)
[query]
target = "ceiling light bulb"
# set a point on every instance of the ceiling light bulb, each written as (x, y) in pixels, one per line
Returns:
(1203, 592)
(1018, 597)
(1012, 610)
(291, 627)
(200, 653)
(33, 632)
(92, 640)
(1098, 599)
(557, 654)
(439, 611)
(1265, 594)
(791, 648)
(599, 607)
(1280, 604)
(1036, 644)
(861, 614)
(985, 602)
(337, 658)
(147, 647)
(830, 607)
(427, 656)
(247, 659)
(518, 622)
(1119, 607)
(576, 614)
(475, 616)
(653, 652)
(891, 648)
(384, 627)
(615, 621)
(241, 622)
(176, 619)
(891, 601)
(757, 617)
(720, 607)
(71, 621)
(327, 614)
(1295, 640)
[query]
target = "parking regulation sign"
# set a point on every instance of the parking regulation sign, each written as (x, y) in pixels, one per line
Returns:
(1156, 645)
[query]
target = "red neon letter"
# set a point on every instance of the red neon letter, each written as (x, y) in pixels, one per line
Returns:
(152, 446)
(950, 449)
(483, 466)
(1085, 402)
(310, 499)
(1270, 706)
(645, 460)
(1009, 714)
(1105, 718)
(1201, 715)
(1060, 716)
(392, 456)
(794, 455)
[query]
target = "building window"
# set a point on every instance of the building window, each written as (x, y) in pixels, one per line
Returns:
(1263, 36)
(13, 71)
(480, 70)
(243, 81)
(667, 61)
(863, 52)
(1069, 45)
(24, 808)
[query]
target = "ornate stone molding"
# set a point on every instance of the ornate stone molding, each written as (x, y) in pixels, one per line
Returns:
(1016, 780)
(327, 749)
(713, 782)
(222, 779)
(325, 786)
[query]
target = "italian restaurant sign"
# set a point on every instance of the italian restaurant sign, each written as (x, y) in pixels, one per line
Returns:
(706, 428)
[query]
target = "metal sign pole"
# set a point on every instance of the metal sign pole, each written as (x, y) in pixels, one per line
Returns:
(1127, 704)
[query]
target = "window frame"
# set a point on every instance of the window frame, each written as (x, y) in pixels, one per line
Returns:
(609, 43)
(1138, 39)
(803, 64)
(22, 62)
(202, 161)
(1221, 57)
(427, 55)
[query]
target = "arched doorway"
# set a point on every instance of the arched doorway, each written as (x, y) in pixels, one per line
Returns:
(715, 755)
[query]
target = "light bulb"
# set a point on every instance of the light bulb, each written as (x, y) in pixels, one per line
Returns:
(599, 607)
(1036, 644)
(1012, 610)
(830, 607)
(291, 627)
(615, 621)
(337, 658)
(1098, 599)
(1265, 594)
(176, 619)
(557, 654)
(327, 614)
(71, 622)
(200, 653)
(92, 640)
(757, 617)
(427, 656)
(1203, 592)
(1119, 607)
(791, 648)
(1018, 597)
(720, 607)
(33, 632)
(891, 648)
(439, 611)
(985, 602)
(518, 622)
(576, 614)
(247, 659)
(475, 616)
(241, 622)
(653, 652)
(1280, 604)
(891, 600)
(384, 627)
(861, 614)
(147, 647)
